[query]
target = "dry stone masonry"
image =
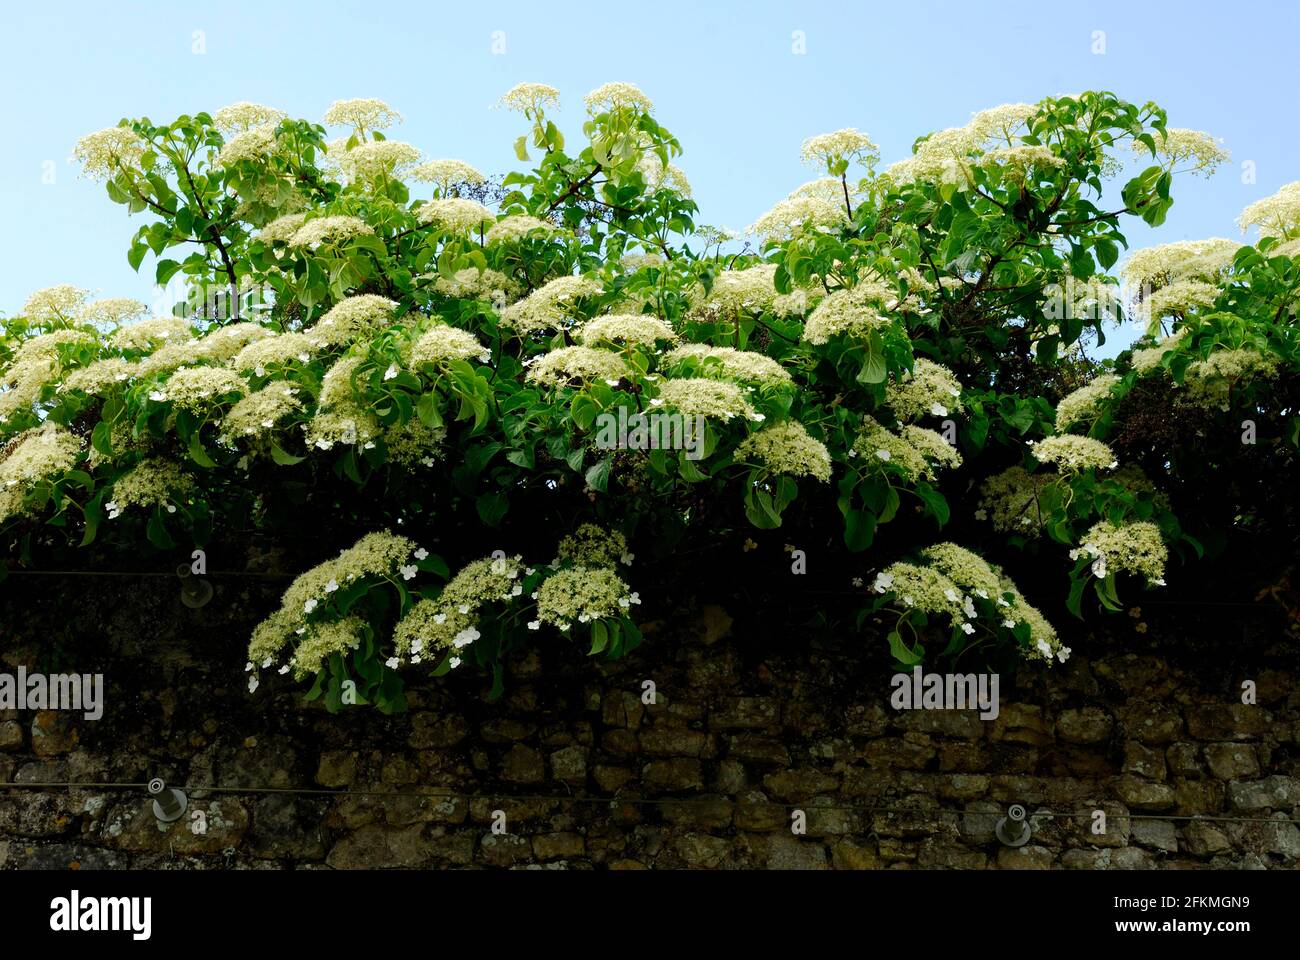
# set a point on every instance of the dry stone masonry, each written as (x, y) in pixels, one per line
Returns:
(575, 769)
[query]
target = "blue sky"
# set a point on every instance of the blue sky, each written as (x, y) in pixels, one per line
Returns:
(725, 77)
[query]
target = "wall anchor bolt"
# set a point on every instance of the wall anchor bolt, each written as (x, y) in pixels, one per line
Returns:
(1013, 829)
(195, 591)
(169, 803)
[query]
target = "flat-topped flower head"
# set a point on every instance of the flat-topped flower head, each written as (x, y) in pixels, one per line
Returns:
(1072, 454)
(946, 156)
(580, 595)
(940, 157)
(336, 389)
(101, 376)
(914, 451)
(530, 99)
(169, 356)
(1148, 359)
(592, 546)
(62, 303)
(259, 413)
(628, 329)
(199, 388)
(632, 262)
(377, 160)
(151, 483)
(1179, 299)
(108, 152)
(1002, 124)
(42, 453)
(46, 346)
(932, 446)
(1127, 548)
(1210, 382)
(351, 318)
(1084, 405)
(330, 229)
(1170, 263)
(701, 396)
(455, 215)
(922, 588)
(1009, 501)
(256, 143)
(965, 568)
(343, 424)
(930, 390)
(791, 305)
(413, 443)
(613, 96)
(282, 229)
(787, 448)
(569, 364)
(442, 343)
(245, 116)
(1190, 150)
(849, 145)
(661, 176)
(112, 311)
(474, 284)
(737, 292)
(519, 227)
(830, 189)
(446, 173)
(273, 352)
(729, 363)
(853, 312)
(795, 215)
(448, 623)
(483, 581)
(322, 640)
(1016, 163)
(549, 307)
(222, 344)
(1277, 215)
(363, 114)
(376, 555)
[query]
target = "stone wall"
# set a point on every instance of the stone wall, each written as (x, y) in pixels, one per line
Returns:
(1145, 724)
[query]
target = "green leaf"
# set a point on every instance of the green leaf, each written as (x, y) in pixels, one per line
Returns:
(1196, 545)
(197, 453)
(689, 471)
(523, 457)
(599, 637)
(99, 438)
(521, 148)
(874, 369)
(859, 529)
(94, 514)
(157, 531)
(598, 475)
(761, 511)
(934, 502)
(492, 507)
(1105, 590)
(165, 270)
(1107, 252)
(900, 651)
(1074, 603)
(427, 410)
(283, 459)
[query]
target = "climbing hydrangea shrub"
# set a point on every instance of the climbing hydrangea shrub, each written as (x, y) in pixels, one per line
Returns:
(385, 347)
